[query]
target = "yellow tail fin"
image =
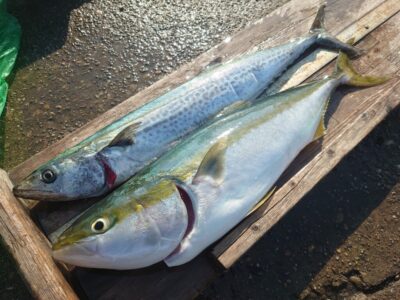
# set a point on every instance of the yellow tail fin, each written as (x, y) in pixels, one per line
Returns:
(352, 77)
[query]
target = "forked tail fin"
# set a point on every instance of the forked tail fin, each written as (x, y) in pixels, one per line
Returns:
(351, 77)
(324, 39)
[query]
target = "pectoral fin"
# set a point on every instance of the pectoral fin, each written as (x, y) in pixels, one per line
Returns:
(213, 162)
(126, 136)
(263, 200)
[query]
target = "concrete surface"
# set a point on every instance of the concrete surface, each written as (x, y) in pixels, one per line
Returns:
(79, 58)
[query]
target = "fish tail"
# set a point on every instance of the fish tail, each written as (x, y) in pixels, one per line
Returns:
(324, 39)
(349, 76)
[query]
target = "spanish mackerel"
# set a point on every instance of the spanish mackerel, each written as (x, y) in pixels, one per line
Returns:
(196, 193)
(110, 158)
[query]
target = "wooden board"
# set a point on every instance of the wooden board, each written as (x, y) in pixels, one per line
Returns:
(30, 248)
(351, 121)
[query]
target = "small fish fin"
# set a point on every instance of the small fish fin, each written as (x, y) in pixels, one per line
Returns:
(263, 200)
(126, 136)
(321, 130)
(215, 63)
(213, 162)
(324, 39)
(319, 21)
(352, 77)
(212, 64)
(233, 108)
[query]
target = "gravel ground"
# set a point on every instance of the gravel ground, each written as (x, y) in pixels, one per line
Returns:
(79, 58)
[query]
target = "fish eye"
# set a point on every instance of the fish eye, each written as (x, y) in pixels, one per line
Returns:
(100, 225)
(48, 176)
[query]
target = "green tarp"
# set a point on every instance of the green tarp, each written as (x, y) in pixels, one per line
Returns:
(10, 33)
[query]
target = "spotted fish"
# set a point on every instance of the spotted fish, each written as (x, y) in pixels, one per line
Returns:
(112, 156)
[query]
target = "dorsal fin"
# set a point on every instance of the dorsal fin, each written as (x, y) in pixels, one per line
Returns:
(213, 162)
(318, 24)
(126, 136)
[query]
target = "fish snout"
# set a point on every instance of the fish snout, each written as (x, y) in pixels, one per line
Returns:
(28, 192)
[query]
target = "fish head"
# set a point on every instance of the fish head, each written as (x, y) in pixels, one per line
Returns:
(134, 227)
(66, 178)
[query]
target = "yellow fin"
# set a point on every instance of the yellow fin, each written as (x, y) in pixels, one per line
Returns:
(320, 132)
(262, 201)
(352, 77)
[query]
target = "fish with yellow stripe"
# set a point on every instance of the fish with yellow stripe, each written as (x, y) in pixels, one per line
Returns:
(194, 194)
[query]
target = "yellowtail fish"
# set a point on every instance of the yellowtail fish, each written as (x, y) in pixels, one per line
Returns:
(194, 194)
(112, 156)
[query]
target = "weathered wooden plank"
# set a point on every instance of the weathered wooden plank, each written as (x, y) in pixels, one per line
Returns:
(291, 20)
(356, 115)
(30, 248)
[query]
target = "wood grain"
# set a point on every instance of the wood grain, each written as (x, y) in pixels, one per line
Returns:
(30, 248)
(355, 116)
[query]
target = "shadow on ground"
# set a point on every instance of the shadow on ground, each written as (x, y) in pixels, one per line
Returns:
(44, 25)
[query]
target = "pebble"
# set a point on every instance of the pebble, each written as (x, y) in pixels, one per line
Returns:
(356, 281)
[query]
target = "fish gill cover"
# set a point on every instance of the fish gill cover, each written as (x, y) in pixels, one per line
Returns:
(10, 33)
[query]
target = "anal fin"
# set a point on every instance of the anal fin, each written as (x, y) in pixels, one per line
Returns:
(262, 201)
(321, 130)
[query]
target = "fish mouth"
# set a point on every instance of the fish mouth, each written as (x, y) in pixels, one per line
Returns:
(37, 195)
(69, 253)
